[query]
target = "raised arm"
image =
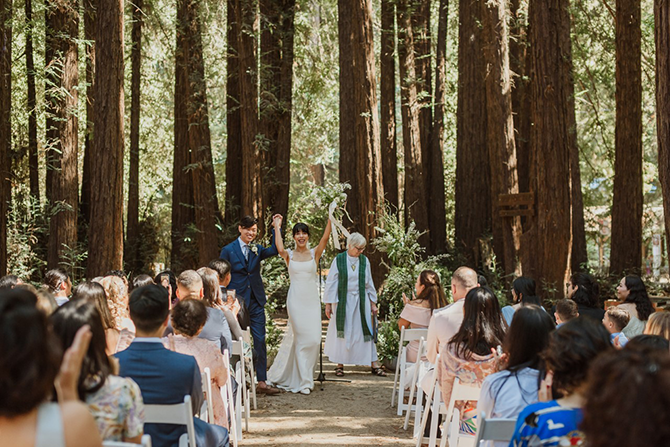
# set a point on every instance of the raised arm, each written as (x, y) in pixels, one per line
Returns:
(279, 241)
(318, 251)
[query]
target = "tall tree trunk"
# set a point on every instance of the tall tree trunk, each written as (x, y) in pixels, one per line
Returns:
(420, 12)
(106, 228)
(662, 40)
(276, 97)
(33, 165)
(133, 222)
(626, 251)
(500, 130)
(207, 213)
(233, 123)
(473, 190)
(416, 208)
(5, 126)
(347, 163)
(518, 54)
(547, 245)
(366, 122)
(90, 7)
(436, 209)
(183, 206)
(62, 27)
(252, 191)
(389, 148)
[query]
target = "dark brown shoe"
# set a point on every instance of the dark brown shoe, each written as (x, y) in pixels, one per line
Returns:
(269, 390)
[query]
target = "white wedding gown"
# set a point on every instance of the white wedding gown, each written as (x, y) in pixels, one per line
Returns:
(293, 368)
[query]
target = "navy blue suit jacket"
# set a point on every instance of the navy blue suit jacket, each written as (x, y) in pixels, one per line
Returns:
(164, 378)
(246, 275)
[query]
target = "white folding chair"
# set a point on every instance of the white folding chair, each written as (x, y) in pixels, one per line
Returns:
(242, 390)
(414, 390)
(460, 392)
(497, 429)
(177, 414)
(252, 369)
(146, 442)
(207, 409)
(433, 397)
(228, 402)
(406, 336)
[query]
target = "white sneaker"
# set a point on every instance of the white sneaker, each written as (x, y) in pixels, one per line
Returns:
(305, 391)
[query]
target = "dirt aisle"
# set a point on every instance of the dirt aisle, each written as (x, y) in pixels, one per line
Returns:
(343, 414)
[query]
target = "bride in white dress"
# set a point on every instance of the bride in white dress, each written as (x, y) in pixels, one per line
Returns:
(293, 367)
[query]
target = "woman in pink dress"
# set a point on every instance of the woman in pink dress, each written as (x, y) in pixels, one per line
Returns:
(188, 319)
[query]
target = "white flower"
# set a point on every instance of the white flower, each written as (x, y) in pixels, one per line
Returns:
(254, 248)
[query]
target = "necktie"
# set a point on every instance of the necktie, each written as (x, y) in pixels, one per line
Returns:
(246, 252)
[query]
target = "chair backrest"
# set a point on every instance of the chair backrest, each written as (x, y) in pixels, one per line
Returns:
(246, 335)
(207, 405)
(146, 442)
(495, 429)
(415, 334)
(238, 347)
(464, 392)
(177, 414)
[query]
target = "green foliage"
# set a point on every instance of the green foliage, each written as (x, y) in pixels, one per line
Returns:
(25, 228)
(388, 338)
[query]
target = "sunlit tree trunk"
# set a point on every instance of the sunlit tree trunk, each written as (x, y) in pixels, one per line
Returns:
(5, 125)
(89, 35)
(662, 39)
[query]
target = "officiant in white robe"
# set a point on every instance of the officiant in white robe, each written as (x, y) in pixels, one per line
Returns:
(354, 344)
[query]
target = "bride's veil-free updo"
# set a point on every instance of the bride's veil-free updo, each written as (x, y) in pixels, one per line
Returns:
(301, 227)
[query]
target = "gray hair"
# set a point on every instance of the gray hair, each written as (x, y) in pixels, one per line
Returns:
(356, 240)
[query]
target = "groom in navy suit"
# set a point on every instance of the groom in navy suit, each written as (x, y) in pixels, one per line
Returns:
(245, 259)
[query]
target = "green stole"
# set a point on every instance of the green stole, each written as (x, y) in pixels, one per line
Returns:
(342, 286)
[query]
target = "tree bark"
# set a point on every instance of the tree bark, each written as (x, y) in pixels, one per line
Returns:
(389, 148)
(106, 228)
(207, 213)
(626, 251)
(62, 27)
(33, 165)
(5, 126)
(662, 41)
(436, 209)
(415, 192)
(473, 190)
(518, 46)
(276, 97)
(547, 245)
(90, 7)
(500, 130)
(183, 254)
(233, 123)
(133, 222)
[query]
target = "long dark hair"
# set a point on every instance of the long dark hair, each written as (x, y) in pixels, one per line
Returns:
(638, 296)
(587, 291)
(482, 328)
(525, 287)
(66, 321)
(433, 290)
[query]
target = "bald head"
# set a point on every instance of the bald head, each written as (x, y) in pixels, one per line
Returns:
(462, 281)
(189, 283)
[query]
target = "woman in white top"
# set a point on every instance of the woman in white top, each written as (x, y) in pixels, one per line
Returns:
(293, 367)
(633, 293)
(29, 362)
(505, 393)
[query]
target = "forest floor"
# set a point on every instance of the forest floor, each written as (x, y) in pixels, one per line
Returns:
(342, 414)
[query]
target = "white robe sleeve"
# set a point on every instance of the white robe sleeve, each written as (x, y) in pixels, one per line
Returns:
(370, 290)
(330, 295)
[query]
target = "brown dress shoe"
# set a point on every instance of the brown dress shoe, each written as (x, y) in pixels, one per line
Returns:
(269, 390)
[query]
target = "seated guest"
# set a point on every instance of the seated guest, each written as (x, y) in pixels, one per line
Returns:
(58, 282)
(584, 290)
(46, 301)
(117, 298)
(627, 399)
(164, 377)
(505, 393)
(570, 352)
(523, 293)
(142, 280)
(189, 284)
(188, 319)
(615, 320)
(115, 402)
(428, 296)
(167, 279)
(220, 320)
(119, 274)
(566, 310)
(30, 359)
(632, 291)
(470, 354)
(445, 322)
(658, 324)
(651, 341)
(9, 282)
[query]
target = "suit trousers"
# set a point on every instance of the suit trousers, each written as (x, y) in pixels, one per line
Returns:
(257, 325)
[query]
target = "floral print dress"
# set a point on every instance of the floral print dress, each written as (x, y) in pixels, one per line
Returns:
(118, 409)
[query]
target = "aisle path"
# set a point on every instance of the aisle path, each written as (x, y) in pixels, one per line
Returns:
(343, 414)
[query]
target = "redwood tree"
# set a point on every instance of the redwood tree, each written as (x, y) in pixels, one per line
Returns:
(89, 35)
(61, 94)
(106, 227)
(5, 125)
(233, 122)
(518, 54)
(626, 251)
(662, 39)
(33, 165)
(389, 148)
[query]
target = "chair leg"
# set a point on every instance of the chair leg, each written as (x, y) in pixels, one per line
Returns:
(418, 412)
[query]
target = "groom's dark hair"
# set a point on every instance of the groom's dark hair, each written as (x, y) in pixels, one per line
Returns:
(248, 221)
